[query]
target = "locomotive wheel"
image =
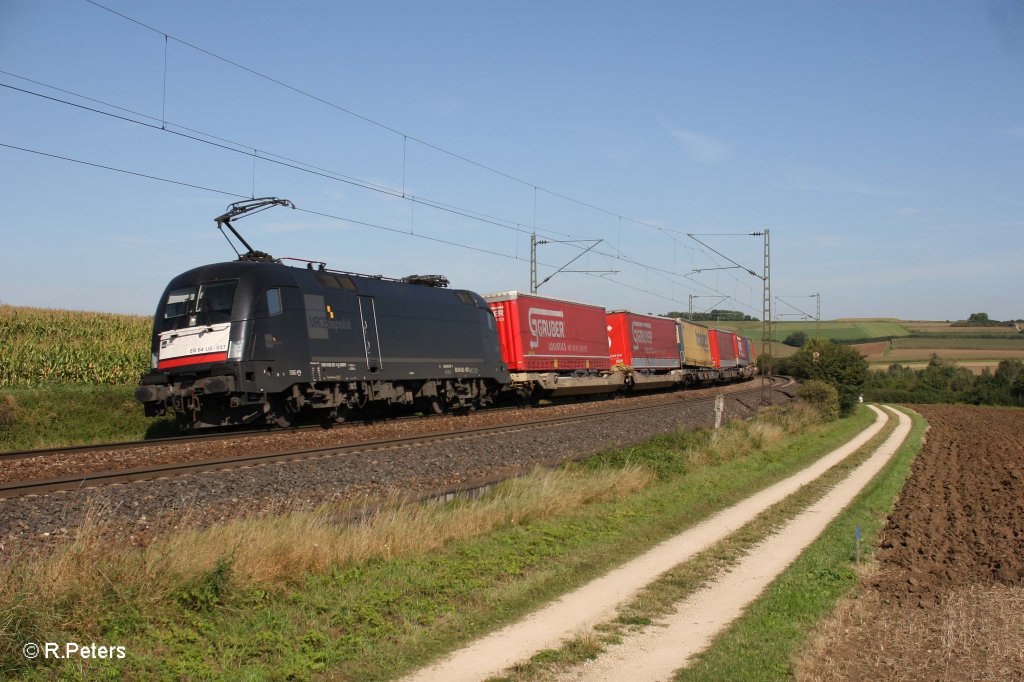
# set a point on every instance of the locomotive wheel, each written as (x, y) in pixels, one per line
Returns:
(277, 414)
(431, 405)
(335, 417)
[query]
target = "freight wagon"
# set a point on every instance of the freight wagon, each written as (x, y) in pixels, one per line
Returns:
(645, 348)
(553, 347)
(723, 350)
(696, 345)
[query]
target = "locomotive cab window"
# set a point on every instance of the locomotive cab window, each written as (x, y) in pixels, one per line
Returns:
(215, 302)
(179, 302)
(274, 306)
(207, 303)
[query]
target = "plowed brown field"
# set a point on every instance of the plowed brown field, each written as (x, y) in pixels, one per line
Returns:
(946, 601)
(960, 518)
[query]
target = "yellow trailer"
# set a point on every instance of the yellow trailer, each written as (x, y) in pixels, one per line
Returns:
(695, 349)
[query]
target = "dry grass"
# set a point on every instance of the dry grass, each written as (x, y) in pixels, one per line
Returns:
(8, 411)
(270, 548)
(740, 438)
(977, 633)
(55, 592)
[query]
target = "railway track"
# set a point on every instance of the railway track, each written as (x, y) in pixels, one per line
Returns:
(80, 480)
(11, 455)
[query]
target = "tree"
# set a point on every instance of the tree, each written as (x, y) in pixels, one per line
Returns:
(796, 339)
(841, 366)
(1009, 370)
(1017, 390)
(978, 317)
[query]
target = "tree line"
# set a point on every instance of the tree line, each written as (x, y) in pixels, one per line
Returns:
(713, 316)
(836, 377)
(943, 381)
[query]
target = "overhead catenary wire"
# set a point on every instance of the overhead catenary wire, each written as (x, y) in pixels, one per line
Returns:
(167, 37)
(383, 126)
(243, 148)
(314, 212)
(122, 170)
(391, 129)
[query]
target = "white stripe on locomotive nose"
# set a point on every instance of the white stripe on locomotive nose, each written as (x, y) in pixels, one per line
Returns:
(200, 340)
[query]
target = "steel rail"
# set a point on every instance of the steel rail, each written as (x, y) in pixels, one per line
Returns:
(241, 432)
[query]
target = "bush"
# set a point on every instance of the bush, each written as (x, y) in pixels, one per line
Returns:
(821, 396)
(796, 339)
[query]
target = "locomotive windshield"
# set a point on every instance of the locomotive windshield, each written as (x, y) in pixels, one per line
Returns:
(207, 303)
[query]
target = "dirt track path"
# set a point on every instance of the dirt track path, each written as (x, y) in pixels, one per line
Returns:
(597, 601)
(656, 652)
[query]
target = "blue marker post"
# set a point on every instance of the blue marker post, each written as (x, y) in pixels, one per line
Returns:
(857, 536)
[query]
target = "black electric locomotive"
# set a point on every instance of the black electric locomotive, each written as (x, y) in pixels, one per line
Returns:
(257, 341)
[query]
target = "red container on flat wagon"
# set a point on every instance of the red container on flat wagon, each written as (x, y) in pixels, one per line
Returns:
(541, 334)
(723, 348)
(642, 341)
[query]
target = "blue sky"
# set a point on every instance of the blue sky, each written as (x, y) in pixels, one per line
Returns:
(881, 143)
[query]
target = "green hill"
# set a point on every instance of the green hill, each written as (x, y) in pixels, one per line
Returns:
(837, 330)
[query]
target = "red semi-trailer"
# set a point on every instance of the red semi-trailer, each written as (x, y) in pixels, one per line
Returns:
(541, 334)
(723, 348)
(642, 341)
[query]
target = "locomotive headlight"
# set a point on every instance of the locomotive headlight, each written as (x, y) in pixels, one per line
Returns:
(235, 350)
(153, 361)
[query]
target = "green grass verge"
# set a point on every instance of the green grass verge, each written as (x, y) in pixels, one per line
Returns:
(74, 415)
(383, 618)
(761, 644)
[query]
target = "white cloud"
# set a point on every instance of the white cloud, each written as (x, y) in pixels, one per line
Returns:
(912, 211)
(702, 148)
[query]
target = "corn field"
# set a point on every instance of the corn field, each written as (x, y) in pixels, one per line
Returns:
(39, 346)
